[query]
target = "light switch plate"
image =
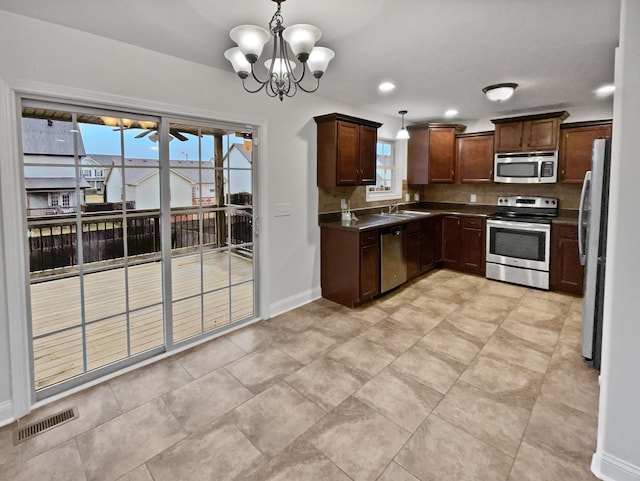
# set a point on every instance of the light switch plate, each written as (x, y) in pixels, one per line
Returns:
(473, 197)
(283, 210)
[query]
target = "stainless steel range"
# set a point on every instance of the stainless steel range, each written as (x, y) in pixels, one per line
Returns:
(519, 240)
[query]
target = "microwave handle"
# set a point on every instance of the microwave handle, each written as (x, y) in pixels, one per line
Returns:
(540, 162)
(581, 240)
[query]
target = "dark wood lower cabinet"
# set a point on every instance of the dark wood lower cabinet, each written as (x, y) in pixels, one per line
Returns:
(422, 245)
(567, 275)
(463, 244)
(413, 248)
(350, 265)
(451, 230)
(473, 245)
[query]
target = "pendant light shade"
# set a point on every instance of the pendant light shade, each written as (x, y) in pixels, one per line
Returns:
(403, 133)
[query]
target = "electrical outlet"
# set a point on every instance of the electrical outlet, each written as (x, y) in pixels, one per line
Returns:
(407, 197)
(343, 204)
(283, 210)
(473, 197)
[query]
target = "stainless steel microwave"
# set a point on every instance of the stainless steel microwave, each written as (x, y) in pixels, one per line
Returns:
(526, 168)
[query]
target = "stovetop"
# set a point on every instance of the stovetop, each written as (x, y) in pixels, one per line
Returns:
(526, 209)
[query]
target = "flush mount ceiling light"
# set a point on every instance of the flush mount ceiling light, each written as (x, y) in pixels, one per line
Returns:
(500, 92)
(280, 81)
(451, 113)
(403, 133)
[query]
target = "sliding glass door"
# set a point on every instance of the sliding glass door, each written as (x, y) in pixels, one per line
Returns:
(114, 277)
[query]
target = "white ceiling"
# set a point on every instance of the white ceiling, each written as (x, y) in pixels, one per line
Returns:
(440, 53)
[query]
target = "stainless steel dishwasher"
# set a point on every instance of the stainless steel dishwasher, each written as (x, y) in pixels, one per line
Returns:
(393, 266)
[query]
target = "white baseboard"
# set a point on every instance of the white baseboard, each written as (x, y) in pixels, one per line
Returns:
(611, 468)
(292, 302)
(6, 413)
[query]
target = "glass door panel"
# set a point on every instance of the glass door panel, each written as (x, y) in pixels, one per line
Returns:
(92, 196)
(94, 186)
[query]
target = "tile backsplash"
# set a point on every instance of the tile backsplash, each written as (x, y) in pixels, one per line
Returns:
(486, 194)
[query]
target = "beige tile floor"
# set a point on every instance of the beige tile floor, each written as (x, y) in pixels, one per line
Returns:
(452, 377)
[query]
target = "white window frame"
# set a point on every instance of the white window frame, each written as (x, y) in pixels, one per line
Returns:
(396, 177)
(54, 199)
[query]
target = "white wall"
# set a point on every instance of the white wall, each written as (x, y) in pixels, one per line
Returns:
(71, 60)
(618, 452)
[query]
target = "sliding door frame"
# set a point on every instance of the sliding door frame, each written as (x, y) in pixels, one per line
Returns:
(13, 243)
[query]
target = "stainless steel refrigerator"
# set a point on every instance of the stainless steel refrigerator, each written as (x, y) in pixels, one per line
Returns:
(592, 244)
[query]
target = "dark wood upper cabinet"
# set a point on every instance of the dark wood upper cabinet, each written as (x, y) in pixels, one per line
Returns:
(474, 158)
(346, 150)
(431, 153)
(528, 133)
(576, 146)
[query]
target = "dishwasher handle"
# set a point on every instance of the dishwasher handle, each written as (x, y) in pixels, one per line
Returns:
(395, 230)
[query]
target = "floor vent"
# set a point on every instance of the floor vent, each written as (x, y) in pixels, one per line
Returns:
(33, 429)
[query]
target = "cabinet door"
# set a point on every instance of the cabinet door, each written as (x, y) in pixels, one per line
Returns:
(509, 137)
(368, 140)
(418, 156)
(442, 153)
(369, 271)
(567, 275)
(473, 245)
(413, 251)
(451, 241)
(541, 134)
(427, 245)
(348, 153)
(576, 147)
(474, 159)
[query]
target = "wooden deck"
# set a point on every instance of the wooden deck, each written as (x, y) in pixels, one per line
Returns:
(56, 305)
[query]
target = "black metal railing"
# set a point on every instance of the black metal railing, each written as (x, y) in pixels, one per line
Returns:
(54, 245)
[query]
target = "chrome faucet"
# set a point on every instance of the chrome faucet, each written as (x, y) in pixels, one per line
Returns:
(393, 208)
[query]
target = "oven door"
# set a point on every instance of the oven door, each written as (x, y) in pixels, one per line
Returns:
(519, 244)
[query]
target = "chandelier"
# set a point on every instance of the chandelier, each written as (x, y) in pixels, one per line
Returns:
(280, 80)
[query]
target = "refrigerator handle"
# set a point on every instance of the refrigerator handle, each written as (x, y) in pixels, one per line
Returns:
(581, 239)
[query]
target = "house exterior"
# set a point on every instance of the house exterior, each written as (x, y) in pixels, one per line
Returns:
(49, 149)
(141, 181)
(102, 70)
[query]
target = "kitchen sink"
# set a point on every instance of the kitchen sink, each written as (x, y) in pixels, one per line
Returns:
(405, 213)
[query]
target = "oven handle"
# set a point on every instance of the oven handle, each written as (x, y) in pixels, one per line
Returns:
(581, 240)
(519, 225)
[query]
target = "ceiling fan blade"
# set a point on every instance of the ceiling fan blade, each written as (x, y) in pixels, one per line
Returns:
(178, 135)
(142, 134)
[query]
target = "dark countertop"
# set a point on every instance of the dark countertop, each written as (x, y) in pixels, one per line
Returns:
(376, 220)
(372, 219)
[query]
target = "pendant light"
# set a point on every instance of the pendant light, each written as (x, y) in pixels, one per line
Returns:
(403, 133)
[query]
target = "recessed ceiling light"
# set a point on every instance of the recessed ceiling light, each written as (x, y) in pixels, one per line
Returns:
(605, 90)
(386, 86)
(451, 113)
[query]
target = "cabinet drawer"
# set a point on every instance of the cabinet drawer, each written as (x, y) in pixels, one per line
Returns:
(369, 237)
(476, 222)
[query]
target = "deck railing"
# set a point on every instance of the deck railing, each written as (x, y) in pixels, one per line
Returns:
(53, 240)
